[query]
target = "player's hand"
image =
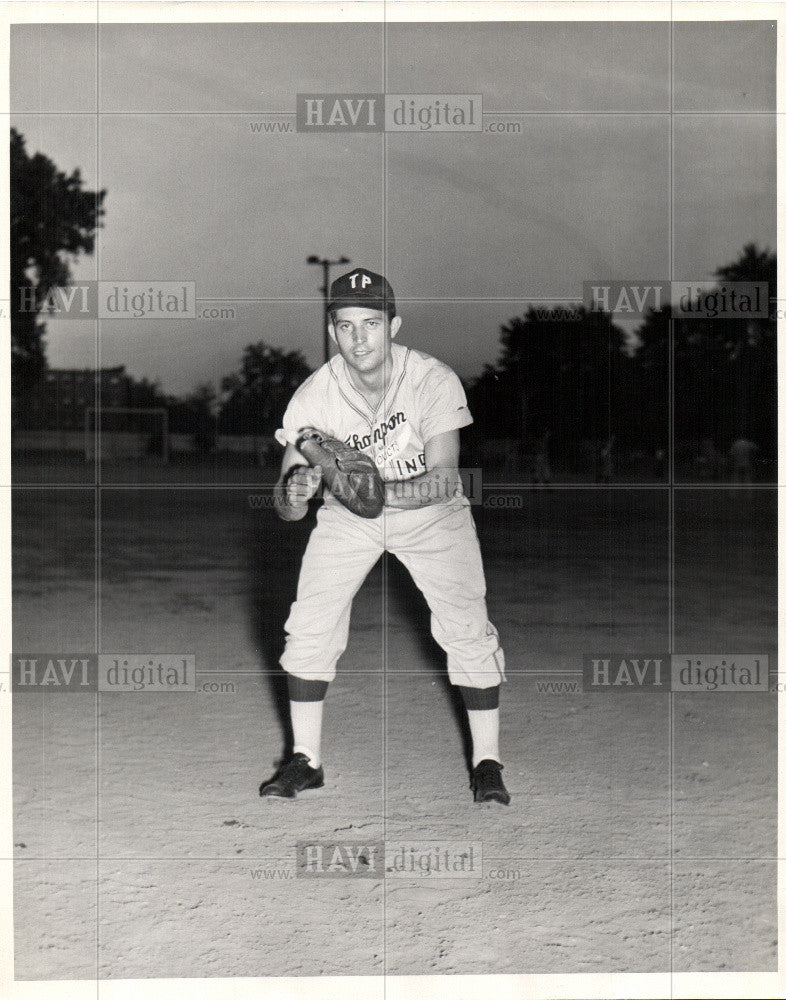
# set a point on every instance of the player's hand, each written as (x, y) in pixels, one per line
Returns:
(302, 484)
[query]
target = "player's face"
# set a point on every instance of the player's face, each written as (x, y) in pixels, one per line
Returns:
(363, 337)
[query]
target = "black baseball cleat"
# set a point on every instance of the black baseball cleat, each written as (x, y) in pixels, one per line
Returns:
(487, 783)
(293, 777)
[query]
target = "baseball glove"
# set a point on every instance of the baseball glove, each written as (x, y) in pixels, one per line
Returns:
(350, 475)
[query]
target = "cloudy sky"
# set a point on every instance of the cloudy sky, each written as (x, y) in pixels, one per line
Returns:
(600, 181)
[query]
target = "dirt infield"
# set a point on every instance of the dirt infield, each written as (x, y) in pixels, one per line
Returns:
(642, 832)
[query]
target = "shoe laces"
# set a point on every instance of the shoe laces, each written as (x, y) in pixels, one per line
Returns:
(489, 768)
(298, 763)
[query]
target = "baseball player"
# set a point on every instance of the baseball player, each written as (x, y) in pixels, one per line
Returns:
(403, 409)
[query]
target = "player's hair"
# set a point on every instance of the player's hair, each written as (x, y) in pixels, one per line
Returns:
(390, 309)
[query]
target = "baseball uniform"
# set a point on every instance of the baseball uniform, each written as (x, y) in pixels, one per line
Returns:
(393, 404)
(438, 544)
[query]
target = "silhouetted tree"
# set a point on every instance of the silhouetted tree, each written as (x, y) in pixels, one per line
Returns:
(724, 370)
(751, 350)
(202, 402)
(752, 265)
(52, 218)
(650, 409)
(145, 394)
(257, 395)
(567, 373)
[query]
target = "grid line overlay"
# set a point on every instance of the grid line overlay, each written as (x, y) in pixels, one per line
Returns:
(385, 557)
(670, 530)
(98, 456)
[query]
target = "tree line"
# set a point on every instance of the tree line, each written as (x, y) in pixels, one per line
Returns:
(576, 374)
(563, 374)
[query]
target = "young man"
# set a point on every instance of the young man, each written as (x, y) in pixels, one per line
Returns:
(404, 409)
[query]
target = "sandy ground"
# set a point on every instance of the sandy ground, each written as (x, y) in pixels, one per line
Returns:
(642, 832)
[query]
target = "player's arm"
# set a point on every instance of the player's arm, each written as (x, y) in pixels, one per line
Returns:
(440, 483)
(297, 484)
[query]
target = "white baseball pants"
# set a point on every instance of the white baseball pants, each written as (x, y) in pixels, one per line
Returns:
(438, 545)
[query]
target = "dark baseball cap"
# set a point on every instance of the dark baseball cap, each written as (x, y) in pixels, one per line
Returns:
(362, 287)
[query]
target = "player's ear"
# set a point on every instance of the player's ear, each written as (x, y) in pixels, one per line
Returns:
(395, 326)
(332, 331)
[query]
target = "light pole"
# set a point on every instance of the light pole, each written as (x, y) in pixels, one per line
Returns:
(326, 264)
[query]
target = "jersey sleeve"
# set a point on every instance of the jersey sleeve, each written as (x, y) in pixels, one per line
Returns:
(445, 406)
(296, 416)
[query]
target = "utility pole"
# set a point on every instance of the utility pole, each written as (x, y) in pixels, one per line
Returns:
(326, 264)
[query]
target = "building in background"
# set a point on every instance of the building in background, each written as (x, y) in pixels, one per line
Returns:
(60, 401)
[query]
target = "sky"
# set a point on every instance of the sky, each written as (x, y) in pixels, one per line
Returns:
(635, 159)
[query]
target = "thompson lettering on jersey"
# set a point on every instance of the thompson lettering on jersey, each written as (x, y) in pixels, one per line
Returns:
(424, 398)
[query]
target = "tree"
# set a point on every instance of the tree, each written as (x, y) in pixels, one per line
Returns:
(52, 219)
(144, 393)
(724, 369)
(559, 369)
(257, 395)
(751, 265)
(750, 346)
(202, 403)
(652, 386)
(755, 266)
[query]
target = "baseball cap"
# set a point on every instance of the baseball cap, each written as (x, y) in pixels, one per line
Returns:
(361, 287)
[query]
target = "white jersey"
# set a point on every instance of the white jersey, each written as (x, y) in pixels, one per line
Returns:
(423, 398)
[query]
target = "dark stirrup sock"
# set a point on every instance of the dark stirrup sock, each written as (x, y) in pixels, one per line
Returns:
(305, 690)
(479, 699)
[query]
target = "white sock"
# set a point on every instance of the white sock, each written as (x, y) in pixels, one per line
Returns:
(307, 728)
(484, 726)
